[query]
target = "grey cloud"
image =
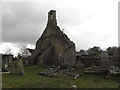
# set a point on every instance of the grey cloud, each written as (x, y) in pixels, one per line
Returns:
(24, 22)
(21, 23)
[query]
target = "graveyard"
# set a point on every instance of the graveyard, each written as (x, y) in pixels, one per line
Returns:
(31, 79)
(55, 64)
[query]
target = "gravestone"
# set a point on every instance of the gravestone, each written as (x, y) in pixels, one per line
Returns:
(79, 64)
(41, 62)
(20, 67)
(115, 59)
(6, 67)
(104, 59)
(26, 62)
(12, 68)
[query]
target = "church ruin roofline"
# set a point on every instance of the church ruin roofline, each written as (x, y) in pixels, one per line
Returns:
(52, 11)
(52, 18)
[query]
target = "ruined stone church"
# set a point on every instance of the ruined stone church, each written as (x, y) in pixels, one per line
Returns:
(54, 47)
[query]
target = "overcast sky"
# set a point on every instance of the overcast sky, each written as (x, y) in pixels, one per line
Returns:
(87, 23)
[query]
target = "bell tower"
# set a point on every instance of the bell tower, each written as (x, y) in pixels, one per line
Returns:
(52, 18)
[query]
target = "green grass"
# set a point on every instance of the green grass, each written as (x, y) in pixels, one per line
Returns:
(31, 79)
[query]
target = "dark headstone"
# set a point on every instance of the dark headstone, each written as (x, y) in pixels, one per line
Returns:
(26, 62)
(12, 68)
(104, 59)
(79, 64)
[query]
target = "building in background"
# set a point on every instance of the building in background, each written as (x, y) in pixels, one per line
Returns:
(27, 53)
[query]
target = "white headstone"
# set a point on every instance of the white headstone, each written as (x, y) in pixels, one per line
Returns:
(6, 67)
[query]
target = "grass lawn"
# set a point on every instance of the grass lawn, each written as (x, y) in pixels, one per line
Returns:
(31, 79)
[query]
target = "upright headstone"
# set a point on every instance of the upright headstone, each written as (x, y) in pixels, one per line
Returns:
(12, 68)
(40, 62)
(26, 62)
(115, 59)
(20, 67)
(104, 59)
(79, 64)
(6, 67)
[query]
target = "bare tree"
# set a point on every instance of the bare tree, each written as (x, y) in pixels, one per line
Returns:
(8, 51)
(22, 49)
